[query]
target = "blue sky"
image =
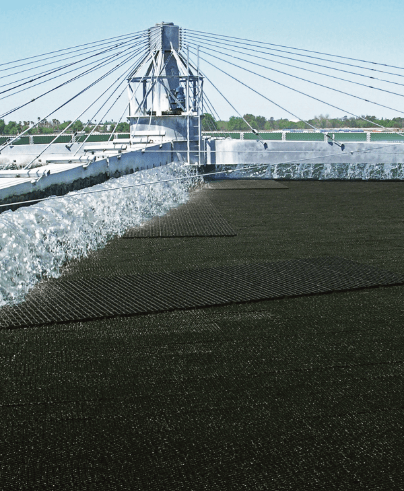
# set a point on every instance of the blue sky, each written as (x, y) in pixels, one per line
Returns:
(370, 30)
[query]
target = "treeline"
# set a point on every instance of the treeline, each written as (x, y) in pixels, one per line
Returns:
(271, 124)
(208, 124)
(55, 126)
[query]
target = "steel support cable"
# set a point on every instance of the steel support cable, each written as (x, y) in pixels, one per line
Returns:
(299, 49)
(217, 115)
(147, 58)
(115, 46)
(124, 75)
(72, 122)
(32, 78)
(119, 120)
(242, 117)
(208, 45)
(270, 100)
(137, 67)
(86, 72)
(210, 124)
(154, 82)
(68, 101)
(295, 90)
(113, 40)
(295, 76)
(230, 104)
(99, 43)
(110, 107)
(211, 113)
(50, 72)
(323, 59)
(302, 61)
(98, 53)
(99, 64)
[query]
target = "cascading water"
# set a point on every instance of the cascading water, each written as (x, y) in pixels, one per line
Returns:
(380, 172)
(36, 241)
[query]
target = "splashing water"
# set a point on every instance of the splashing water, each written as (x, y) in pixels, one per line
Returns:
(380, 172)
(36, 241)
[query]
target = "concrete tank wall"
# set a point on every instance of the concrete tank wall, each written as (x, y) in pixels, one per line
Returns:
(81, 176)
(236, 152)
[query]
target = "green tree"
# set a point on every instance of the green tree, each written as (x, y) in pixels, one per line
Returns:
(208, 123)
(250, 118)
(46, 131)
(123, 128)
(260, 120)
(270, 124)
(64, 125)
(283, 124)
(2, 126)
(11, 128)
(223, 125)
(77, 126)
(237, 124)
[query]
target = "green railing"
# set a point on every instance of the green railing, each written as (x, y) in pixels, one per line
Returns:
(235, 136)
(377, 137)
(288, 136)
(97, 138)
(360, 136)
(44, 139)
(349, 137)
(264, 136)
(24, 140)
(311, 137)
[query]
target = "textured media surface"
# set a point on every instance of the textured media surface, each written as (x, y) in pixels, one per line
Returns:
(112, 296)
(196, 218)
(245, 184)
(299, 393)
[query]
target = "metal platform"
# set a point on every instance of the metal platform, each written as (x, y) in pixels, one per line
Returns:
(196, 218)
(63, 301)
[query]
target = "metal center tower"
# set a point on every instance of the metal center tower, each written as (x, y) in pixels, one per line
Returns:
(166, 96)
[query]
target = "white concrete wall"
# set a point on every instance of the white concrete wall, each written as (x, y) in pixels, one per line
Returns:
(235, 152)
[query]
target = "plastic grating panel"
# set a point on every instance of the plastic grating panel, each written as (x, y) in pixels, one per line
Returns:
(196, 218)
(86, 299)
(229, 184)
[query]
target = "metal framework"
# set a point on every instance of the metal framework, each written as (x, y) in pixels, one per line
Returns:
(169, 104)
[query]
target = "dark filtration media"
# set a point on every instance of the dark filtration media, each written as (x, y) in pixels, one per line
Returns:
(93, 298)
(230, 184)
(196, 218)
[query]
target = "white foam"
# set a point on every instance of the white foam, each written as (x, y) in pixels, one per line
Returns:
(380, 172)
(36, 241)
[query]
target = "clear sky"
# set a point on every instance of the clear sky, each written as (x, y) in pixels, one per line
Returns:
(370, 30)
